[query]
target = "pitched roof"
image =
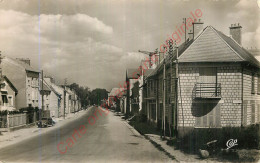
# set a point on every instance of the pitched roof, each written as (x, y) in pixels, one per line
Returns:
(52, 89)
(214, 46)
(10, 84)
(26, 66)
(169, 58)
(45, 87)
(113, 92)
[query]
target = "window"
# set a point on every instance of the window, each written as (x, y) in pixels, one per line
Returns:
(252, 112)
(29, 97)
(258, 112)
(29, 82)
(258, 85)
(10, 100)
(5, 100)
(208, 115)
(154, 89)
(253, 84)
(153, 111)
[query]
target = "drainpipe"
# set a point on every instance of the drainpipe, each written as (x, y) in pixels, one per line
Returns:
(176, 88)
(242, 96)
(164, 95)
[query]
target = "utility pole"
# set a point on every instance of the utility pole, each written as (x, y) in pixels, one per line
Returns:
(1, 65)
(65, 82)
(41, 110)
(42, 93)
(176, 86)
(164, 94)
(184, 19)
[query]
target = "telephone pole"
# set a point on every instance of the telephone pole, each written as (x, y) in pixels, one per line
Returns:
(42, 92)
(65, 82)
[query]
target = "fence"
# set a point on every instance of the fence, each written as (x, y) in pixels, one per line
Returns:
(16, 120)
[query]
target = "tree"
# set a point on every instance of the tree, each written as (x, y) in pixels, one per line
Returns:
(97, 95)
(82, 92)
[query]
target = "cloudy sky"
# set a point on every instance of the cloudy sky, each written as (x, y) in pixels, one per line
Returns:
(92, 42)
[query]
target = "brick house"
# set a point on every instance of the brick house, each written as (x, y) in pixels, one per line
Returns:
(218, 83)
(26, 80)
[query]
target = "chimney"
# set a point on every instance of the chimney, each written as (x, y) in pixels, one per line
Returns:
(235, 32)
(25, 60)
(197, 27)
(190, 35)
(49, 79)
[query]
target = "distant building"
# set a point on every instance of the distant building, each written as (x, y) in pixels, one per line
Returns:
(55, 97)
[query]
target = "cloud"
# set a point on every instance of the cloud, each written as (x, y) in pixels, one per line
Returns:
(93, 42)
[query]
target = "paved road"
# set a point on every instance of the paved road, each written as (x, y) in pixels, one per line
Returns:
(109, 139)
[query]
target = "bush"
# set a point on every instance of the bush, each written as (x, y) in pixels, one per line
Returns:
(247, 138)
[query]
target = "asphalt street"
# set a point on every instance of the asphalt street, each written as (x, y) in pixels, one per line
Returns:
(109, 139)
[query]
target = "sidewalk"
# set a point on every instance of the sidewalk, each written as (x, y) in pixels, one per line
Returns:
(161, 145)
(13, 137)
(170, 151)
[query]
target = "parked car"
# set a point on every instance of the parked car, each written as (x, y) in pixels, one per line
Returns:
(46, 122)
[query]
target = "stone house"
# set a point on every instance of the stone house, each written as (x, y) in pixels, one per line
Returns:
(26, 80)
(213, 83)
(8, 95)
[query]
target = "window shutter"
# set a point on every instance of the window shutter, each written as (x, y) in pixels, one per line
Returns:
(258, 115)
(253, 84)
(218, 115)
(252, 112)
(258, 85)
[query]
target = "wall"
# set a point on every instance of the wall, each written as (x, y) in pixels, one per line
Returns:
(17, 75)
(230, 77)
(250, 98)
(32, 89)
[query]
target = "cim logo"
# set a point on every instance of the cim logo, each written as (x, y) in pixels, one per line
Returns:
(231, 143)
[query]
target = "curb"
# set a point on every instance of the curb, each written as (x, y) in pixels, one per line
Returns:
(132, 129)
(159, 147)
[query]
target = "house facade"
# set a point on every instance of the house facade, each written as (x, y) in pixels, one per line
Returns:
(55, 98)
(8, 95)
(209, 81)
(218, 83)
(26, 80)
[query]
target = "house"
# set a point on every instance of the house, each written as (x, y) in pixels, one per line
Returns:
(113, 100)
(143, 91)
(55, 97)
(26, 80)
(8, 95)
(212, 83)
(67, 94)
(45, 92)
(123, 102)
(219, 84)
(132, 76)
